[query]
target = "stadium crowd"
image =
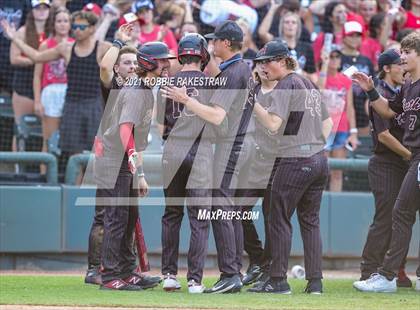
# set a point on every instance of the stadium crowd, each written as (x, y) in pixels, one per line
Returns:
(60, 59)
(361, 30)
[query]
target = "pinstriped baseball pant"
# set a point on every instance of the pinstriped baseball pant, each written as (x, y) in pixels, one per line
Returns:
(403, 219)
(298, 185)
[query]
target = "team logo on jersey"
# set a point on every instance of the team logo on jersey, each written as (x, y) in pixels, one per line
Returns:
(313, 102)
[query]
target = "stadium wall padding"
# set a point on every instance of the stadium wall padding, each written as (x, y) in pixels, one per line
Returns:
(47, 219)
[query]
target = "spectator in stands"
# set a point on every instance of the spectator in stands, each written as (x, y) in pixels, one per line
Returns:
(83, 104)
(318, 7)
(352, 57)
(412, 16)
(33, 33)
(270, 25)
(151, 31)
(14, 11)
(367, 9)
(334, 20)
(379, 30)
(249, 49)
(337, 94)
(50, 79)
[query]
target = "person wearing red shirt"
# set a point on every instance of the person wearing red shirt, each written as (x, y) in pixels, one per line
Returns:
(412, 17)
(50, 79)
(149, 30)
(367, 9)
(336, 89)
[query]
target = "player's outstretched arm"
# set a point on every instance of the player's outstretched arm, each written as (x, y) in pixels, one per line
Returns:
(213, 114)
(379, 103)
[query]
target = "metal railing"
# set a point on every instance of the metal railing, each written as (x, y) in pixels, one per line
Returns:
(34, 157)
(153, 164)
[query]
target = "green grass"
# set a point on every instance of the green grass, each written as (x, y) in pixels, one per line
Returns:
(71, 291)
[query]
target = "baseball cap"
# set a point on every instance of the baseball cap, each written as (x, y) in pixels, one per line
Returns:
(157, 50)
(389, 57)
(141, 4)
(35, 3)
(352, 27)
(227, 30)
(94, 8)
(271, 50)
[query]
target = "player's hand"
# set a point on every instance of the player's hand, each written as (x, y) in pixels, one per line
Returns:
(143, 187)
(38, 108)
(353, 141)
(135, 159)
(177, 94)
(325, 56)
(9, 30)
(364, 81)
(124, 32)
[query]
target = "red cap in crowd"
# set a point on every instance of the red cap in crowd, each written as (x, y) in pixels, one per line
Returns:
(94, 8)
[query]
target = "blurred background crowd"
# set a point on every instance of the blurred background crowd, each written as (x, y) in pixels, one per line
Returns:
(32, 94)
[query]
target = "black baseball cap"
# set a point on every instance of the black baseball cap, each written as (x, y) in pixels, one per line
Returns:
(389, 57)
(228, 30)
(273, 49)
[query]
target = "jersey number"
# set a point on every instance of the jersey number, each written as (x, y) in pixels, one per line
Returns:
(412, 120)
(176, 106)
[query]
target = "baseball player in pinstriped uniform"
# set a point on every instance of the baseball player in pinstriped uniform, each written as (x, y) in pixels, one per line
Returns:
(233, 150)
(262, 171)
(407, 101)
(302, 125)
(387, 169)
(186, 161)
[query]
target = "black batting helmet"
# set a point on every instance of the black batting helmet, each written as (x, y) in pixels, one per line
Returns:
(149, 52)
(194, 44)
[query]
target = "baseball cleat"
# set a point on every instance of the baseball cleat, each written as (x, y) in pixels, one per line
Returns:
(120, 285)
(418, 284)
(226, 285)
(93, 276)
(272, 286)
(144, 281)
(252, 274)
(376, 283)
(403, 280)
(170, 283)
(195, 287)
(314, 286)
(265, 276)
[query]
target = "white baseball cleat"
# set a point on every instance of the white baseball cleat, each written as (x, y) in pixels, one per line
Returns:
(418, 284)
(376, 283)
(195, 288)
(170, 283)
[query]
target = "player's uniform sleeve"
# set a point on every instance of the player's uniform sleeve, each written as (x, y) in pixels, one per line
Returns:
(281, 98)
(395, 103)
(225, 95)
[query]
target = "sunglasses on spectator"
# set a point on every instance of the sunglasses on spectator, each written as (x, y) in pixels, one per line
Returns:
(82, 27)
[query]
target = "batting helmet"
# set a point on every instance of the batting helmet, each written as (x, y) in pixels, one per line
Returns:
(149, 53)
(194, 44)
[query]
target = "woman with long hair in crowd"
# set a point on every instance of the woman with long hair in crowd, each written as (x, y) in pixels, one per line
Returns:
(50, 79)
(334, 20)
(336, 90)
(33, 32)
